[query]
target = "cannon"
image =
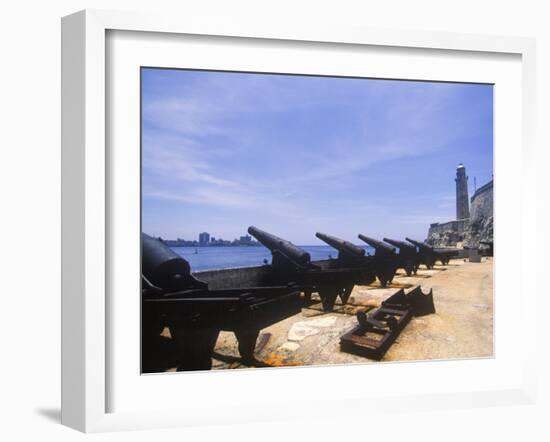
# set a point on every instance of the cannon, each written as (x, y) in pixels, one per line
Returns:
(284, 253)
(163, 268)
(426, 253)
(409, 257)
(429, 255)
(444, 254)
(195, 314)
(291, 264)
(347, 252)
(350, 257)
(385, 259)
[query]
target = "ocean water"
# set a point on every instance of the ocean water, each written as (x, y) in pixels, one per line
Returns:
(210, 258)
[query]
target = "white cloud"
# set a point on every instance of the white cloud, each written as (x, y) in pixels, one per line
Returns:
(204, 196)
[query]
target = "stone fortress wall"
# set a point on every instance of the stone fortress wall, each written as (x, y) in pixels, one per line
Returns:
(470, 231)
(447, 234)
(480, 226)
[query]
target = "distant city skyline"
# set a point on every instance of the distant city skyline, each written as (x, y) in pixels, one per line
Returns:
(295, 155)
(206, 237)
(205, 240)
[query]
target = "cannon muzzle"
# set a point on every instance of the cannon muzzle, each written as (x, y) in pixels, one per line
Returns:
(274, 244)
(341, 245)
(379, 246)
(161, 266)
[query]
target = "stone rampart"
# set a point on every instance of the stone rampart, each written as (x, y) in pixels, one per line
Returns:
(479, 227)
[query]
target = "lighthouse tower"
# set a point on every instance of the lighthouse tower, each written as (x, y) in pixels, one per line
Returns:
(462, 203)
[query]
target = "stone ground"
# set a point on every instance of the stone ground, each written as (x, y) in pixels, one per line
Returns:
(462, 326)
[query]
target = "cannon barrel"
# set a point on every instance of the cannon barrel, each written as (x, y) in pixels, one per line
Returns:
(420, 244)
(446, 251)
(160, 264)
(378, 245)
(274, 243)
(402, 245)
(341, 245)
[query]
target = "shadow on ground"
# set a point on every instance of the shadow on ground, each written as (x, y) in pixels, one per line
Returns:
(51, 414)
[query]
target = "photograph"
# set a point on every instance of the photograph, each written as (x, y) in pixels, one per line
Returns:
(292, 220)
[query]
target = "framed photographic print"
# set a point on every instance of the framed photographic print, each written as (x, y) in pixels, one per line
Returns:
(223, 149)
(251, 212)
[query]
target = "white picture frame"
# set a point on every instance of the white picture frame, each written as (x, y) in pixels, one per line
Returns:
(86, 210)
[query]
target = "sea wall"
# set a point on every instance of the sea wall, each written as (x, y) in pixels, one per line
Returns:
(233, 278)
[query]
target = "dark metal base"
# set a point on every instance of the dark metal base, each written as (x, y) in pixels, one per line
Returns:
(420, 303)
(375, 333)
(373, 340)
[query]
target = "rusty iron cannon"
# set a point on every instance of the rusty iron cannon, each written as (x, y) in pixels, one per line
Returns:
(385, 259)
(430, 255)
(195, 314)
(445, 254)
(350, 257)
(408, 255)
(382, 265)
(426, 253)
(291, 264)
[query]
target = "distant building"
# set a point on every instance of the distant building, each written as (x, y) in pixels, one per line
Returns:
(462, 200)
(245, 240)
(204, 238)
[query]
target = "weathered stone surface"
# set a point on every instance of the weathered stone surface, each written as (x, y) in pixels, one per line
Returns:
(289, 347)
(480, 230)
(303, 329)
(480, 227)
(326, 321)
(300, 331)
(447, 234)
(447, 238)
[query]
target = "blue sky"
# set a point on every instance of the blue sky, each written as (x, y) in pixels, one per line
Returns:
(297, 154)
